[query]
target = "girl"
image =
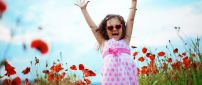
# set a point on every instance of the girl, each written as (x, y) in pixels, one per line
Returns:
(113, 36)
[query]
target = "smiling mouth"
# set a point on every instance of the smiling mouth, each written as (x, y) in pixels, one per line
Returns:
(115, 34)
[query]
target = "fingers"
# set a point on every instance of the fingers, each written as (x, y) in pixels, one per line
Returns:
(76, 4)
(88, 2)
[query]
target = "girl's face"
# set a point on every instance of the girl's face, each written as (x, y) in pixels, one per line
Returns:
(114, 28)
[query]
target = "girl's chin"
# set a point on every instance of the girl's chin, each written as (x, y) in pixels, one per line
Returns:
(115, 37)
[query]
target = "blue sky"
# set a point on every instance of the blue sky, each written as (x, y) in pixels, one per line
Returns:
(66, 31)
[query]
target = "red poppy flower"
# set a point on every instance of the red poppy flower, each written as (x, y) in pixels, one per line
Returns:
(27, 82)
(184, 53)
(91, 73)
(6, 82)
(145, 70)
(193, 55)
(179, 55)
(88, 72)
(135, 54)
(56, 68)
(16, 81)
(161, 53)
(148, 54)
(62, 75)
(40, 45)
(9, 69)
(87, 80)
(144, 50)
(79, 82)
(169, 60)
(73, 67)
(176, 65)
(141, 59)
(50, 76)
(152, 57)
(186, 62)
(175, 50)
(2, 7)
(26, 71)
(81, 67)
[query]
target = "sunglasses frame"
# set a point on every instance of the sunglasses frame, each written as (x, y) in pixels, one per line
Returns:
(117, 27)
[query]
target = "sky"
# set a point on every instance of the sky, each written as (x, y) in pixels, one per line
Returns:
(70, 39)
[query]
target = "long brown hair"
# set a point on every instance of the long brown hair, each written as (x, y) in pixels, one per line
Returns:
(101, 29)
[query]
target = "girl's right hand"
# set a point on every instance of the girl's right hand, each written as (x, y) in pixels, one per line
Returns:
(82, 3)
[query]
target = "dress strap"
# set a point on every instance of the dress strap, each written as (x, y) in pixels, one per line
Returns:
(116, 51)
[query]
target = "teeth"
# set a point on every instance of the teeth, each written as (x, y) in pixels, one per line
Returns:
(115, 34)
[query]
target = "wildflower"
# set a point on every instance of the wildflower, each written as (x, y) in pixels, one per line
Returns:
(141, 59)
(87, 80)
(40, 45)
(193, 55)
(184, 53)
(175, 50)
(27, 82)
(81, 67)
(73, 67)
(179, 55)
(186, 62)
(56, 68)
(144, 50)
(80, 82)
(62, 75)
(145, 70)
(148, 54)
(161, 53)
(176, 65)
(26, 71)
(9, 69)
(135, 54)
(2, 7)
(152, 57)
(169, 60)
(6, 82)
(16, 81)
(50, 76)
(88, 72)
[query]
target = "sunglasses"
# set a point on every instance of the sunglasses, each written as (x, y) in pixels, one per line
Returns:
(110, 28)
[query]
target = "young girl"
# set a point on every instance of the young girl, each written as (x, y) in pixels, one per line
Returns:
(113, 36)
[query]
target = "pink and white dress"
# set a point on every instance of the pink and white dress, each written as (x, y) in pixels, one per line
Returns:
(118, 66)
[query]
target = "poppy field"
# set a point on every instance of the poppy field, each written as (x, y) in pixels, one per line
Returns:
(173, 66)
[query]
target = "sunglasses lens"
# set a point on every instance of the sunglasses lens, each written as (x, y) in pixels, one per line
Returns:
(110, 28)
(118, 26)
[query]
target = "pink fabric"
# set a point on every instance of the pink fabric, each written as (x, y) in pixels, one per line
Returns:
(118, 67)
(116, 51)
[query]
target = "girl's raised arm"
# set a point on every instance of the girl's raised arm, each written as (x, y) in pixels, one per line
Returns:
(83, 4)
(130, 20)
